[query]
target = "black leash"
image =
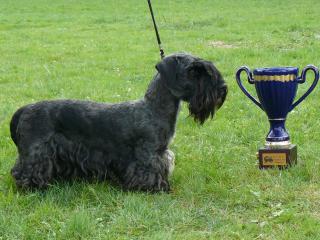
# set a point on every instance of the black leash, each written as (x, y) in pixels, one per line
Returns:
(156, 30)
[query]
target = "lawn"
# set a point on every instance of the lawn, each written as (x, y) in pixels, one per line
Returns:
(106, 51)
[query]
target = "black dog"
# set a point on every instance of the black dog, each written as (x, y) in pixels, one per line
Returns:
(126, 143)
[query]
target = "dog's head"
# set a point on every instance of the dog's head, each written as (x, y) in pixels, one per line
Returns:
(196, 81)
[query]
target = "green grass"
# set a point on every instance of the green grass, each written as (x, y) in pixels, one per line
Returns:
(106, 51)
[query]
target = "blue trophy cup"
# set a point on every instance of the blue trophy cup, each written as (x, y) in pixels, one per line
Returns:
(276, 90)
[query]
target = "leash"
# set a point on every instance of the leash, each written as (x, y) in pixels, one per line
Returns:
(156, 30)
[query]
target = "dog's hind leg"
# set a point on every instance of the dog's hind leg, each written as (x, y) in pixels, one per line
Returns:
(33, 170)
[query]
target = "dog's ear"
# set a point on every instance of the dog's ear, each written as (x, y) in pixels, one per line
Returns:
(202, 69)
(168, 69)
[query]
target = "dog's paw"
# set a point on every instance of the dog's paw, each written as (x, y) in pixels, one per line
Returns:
(162, 186)
(149, 182)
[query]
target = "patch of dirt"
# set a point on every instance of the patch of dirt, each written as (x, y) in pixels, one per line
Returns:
(221, 44)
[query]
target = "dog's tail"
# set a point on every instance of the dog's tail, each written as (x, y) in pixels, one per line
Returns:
(14, 124)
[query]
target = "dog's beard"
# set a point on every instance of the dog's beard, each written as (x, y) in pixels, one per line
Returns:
(201, 107)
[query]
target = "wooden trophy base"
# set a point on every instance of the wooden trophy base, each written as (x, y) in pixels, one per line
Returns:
(282, 158)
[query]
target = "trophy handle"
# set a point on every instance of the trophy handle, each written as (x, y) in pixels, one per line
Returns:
(250, 80)
(302, 79)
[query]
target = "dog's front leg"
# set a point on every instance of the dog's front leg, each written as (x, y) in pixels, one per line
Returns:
(169, 160)
(149, 172)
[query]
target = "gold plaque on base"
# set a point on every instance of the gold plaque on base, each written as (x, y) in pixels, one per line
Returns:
(277, 157)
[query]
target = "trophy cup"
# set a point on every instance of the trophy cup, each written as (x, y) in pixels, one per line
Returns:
(276, 89)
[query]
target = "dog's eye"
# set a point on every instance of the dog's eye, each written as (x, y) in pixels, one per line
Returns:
(190, 71)
(187, 86)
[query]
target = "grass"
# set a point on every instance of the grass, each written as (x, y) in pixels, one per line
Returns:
(106, 51)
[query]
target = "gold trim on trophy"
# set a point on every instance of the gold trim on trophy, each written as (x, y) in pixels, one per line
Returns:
(279, 78)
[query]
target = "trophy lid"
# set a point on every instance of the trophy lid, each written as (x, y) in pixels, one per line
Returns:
(276, 71)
